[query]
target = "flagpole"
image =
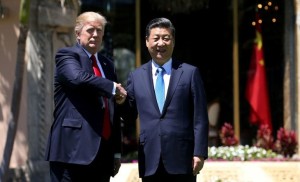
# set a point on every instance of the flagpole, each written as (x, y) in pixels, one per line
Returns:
(236, 104)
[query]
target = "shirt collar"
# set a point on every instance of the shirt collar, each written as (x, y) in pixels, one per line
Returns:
(89, 54)
(167, 66)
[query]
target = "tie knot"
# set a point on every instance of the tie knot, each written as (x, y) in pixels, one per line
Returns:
(93, 58)
(160, 70)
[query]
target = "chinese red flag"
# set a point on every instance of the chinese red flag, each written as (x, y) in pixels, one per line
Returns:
(257, 87)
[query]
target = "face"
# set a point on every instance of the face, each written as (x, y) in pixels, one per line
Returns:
(91, 36)
(160, 44)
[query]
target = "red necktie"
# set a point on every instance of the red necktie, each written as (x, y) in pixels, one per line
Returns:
(106, 123)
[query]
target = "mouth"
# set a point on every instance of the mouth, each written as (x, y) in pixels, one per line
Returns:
(93, 43)
(160, 51)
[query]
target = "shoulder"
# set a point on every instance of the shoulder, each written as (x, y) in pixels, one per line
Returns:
(105, 59)
(182, 65)
(72, 50)
(143, 67)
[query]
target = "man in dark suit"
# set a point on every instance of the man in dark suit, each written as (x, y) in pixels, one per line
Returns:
(79, 149)
(173, 139)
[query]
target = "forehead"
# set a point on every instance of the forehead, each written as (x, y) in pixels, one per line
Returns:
(93, 23)
(159, 31)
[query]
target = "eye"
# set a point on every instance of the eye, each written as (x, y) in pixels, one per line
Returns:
(167, 38)
(90, 30)
(155, 39)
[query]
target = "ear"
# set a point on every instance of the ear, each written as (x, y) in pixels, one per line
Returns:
(147, 41)
(77, 35)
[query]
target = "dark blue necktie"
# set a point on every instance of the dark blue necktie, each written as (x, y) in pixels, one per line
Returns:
(160, 88)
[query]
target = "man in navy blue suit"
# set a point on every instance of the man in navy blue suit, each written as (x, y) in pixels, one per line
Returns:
(173, 139)
(79, 149)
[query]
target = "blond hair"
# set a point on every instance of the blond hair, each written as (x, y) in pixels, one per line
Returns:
(89, 16)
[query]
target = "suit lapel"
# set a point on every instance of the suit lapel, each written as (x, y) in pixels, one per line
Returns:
(85, 61)
(108, 75)
(174, 80)
(105, 67)
(147, 81)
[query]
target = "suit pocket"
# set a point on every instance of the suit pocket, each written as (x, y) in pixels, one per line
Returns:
(72, 123)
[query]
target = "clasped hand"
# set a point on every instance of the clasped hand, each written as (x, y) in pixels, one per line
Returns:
(121, 94)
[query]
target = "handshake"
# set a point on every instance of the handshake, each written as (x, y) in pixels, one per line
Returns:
(121, 94)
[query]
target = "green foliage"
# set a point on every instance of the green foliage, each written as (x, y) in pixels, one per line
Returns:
(24, 12)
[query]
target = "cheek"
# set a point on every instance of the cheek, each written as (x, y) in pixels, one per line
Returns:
(84, 37)
(152, 45)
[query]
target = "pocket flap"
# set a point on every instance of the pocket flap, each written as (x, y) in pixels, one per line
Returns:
(73, 123)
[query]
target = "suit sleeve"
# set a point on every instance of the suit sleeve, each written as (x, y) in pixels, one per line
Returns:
(75, 70)
(200, 116)
(128, 109)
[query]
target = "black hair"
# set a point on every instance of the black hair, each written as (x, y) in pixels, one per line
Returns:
(160, 22)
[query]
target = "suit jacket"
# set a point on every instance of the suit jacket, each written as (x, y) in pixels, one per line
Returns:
(181, 131)
(75, 134)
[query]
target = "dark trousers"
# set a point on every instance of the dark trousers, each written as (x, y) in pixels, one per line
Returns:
(99, 170)
(161, 175)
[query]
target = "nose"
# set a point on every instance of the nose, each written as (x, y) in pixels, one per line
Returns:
(160, 42)
(95, 33)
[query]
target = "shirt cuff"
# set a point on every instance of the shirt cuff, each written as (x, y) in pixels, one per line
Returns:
(114, 89)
